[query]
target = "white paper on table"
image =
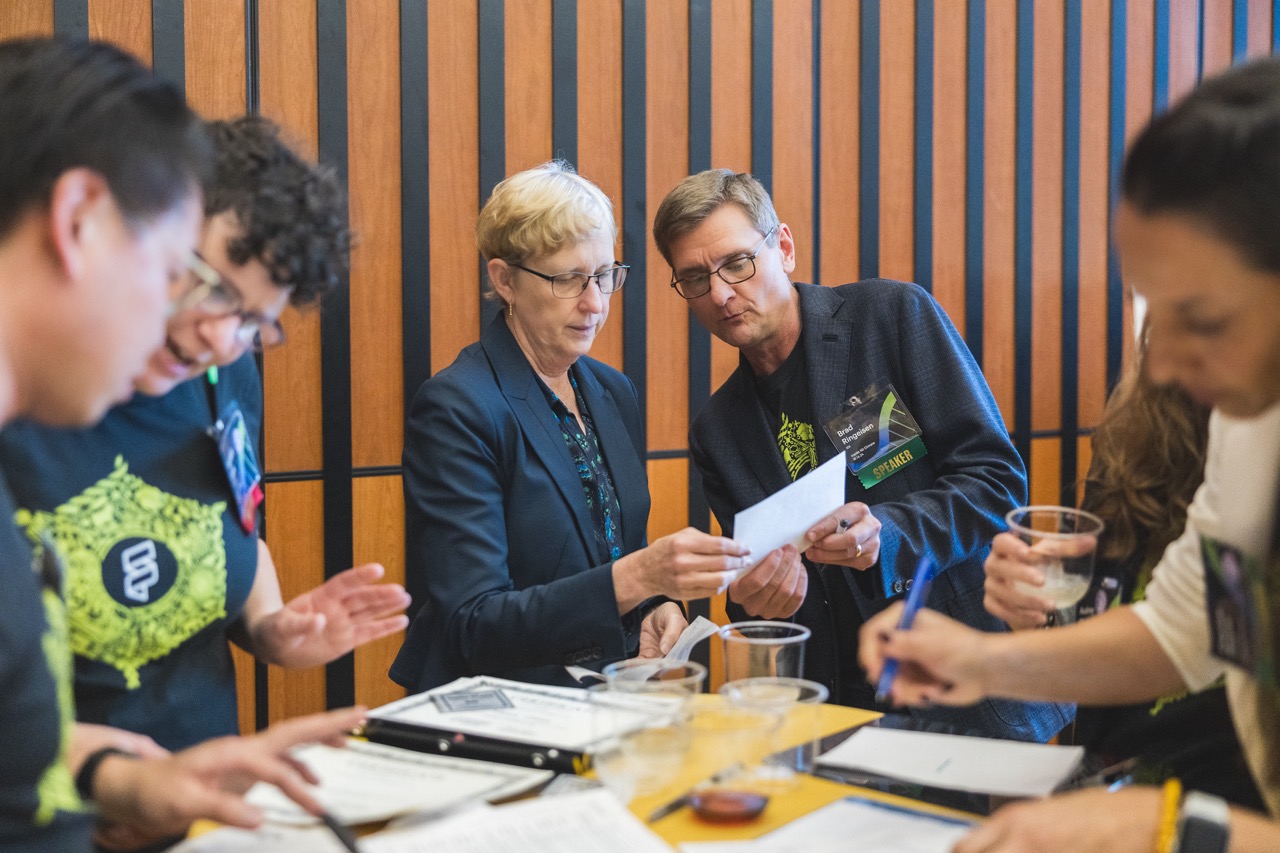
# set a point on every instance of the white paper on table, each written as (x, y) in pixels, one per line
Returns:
(366, 782)
(574, 823)
(786, 515)
(851, 824)
(540, 714)
(979, 765)
(277, 839)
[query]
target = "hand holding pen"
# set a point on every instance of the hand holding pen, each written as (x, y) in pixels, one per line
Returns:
(850, 536)
(918, 656)
(916, 598)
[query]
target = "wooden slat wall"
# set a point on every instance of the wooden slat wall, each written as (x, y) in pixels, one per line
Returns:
(814, 147)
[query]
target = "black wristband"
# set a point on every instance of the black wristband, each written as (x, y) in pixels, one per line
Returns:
(89, 769)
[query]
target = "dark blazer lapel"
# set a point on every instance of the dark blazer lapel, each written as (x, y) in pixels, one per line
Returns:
(519, 385)
(756, 442)
(827, 337)
(625, 465)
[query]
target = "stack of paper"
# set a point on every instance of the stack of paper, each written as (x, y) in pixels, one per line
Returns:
(368, 782)
(980, 765)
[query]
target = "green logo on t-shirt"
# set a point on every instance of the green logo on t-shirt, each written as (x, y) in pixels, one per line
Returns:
(795, 440)
(146, 570)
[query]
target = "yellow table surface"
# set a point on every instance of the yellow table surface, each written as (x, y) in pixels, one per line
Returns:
(808, 794)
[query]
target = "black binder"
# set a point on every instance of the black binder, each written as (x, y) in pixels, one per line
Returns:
(461, 745)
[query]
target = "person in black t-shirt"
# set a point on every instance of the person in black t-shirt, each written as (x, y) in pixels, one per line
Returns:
(99, 206)
(158, 587)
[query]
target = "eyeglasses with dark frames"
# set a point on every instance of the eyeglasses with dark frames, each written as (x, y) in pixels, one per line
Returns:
(571, 285)
(736, 270)
(215, 296)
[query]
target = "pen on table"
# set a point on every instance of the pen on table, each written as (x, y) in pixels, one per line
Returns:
(670, 807)
(344, 834)
(915, 600)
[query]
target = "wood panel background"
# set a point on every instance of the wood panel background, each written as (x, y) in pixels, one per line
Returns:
(969, 145)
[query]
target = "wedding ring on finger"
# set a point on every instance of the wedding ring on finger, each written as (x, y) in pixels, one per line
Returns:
(857, 550)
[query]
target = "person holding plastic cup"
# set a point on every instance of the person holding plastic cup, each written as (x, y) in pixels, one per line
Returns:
(1196, 234)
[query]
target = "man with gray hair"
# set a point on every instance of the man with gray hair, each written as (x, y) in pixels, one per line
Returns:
(877, 367)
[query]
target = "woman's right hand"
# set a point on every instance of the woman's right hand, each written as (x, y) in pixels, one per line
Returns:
(685, 565)
(1012, 561)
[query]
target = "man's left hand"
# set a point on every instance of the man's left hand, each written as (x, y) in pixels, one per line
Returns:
(776, 588)
(850, 536)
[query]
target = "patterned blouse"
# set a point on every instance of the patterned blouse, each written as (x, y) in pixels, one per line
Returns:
(584, 448)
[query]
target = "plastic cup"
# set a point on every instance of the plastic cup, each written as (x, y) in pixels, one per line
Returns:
(797, 702)
(763, 649)
(1065, 541)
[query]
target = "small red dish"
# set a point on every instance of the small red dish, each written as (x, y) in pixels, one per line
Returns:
(719, 805)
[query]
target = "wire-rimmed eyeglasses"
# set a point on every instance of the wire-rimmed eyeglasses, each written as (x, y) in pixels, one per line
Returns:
(733, 271)
(570, 285)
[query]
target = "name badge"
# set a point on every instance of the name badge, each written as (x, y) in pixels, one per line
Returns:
(1235, 595)
(241, 466)
(877, 433)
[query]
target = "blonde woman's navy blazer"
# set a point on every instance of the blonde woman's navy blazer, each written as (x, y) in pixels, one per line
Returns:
(501, 554)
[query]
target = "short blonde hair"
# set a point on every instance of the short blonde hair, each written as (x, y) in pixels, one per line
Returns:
(540, 211)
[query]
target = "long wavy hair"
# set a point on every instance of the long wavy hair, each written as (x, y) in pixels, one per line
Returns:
(1148, 461)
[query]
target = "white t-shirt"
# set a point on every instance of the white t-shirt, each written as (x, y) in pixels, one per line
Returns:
(1235, 505)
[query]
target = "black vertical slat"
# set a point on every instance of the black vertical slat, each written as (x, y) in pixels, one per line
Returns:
(635, 221)
(252, 95)
(869, 141)
(1023, 231)
(922, 250)
(71, 18)
(1115, 153)
(699, 160)
(415, 200)
(699, 338)
(1070, 390)
(564, 80)
(762, 92)
(335, 334)
(975, 177)
(491, 39)
(168, 41)
(253, 73)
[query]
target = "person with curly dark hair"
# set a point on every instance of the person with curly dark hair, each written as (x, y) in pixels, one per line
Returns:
(156, 509)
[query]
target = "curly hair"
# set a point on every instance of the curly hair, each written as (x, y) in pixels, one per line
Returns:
(1148, 461)
(292, 214)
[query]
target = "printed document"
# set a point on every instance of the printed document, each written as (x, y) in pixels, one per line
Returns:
(366, 782)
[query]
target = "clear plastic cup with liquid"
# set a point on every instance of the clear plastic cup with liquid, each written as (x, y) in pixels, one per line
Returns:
(1065, 543)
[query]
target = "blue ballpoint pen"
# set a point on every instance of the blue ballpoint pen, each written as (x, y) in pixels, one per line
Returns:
(919, 594)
